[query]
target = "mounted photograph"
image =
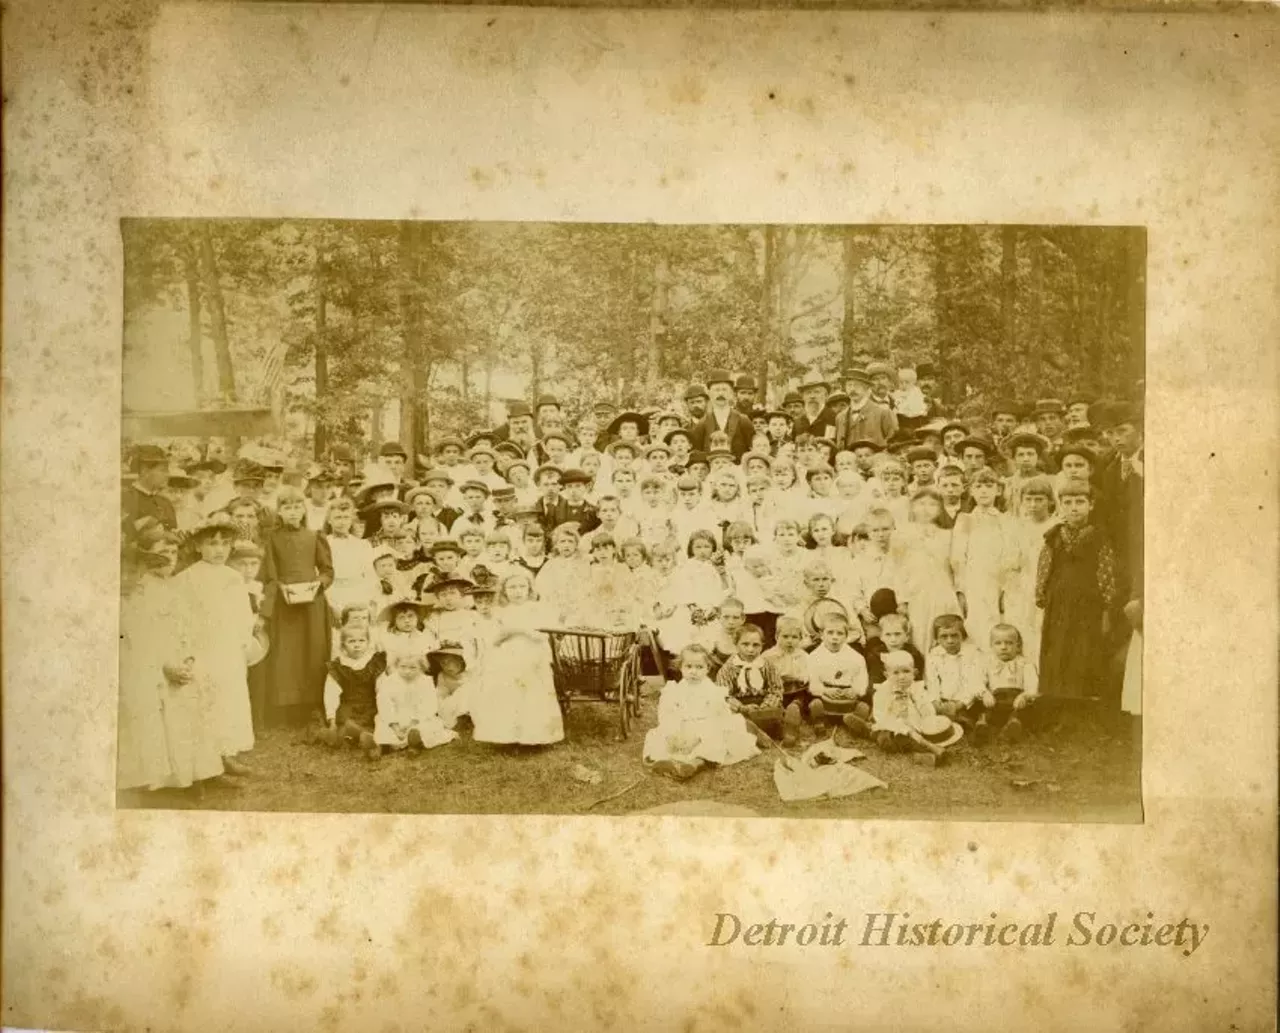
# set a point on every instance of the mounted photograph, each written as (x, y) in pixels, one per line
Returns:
(820, 521)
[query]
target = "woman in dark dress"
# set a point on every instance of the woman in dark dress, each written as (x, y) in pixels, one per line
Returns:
(299, 630)
(1076, 588)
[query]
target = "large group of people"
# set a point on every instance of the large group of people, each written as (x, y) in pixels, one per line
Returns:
(852, 560)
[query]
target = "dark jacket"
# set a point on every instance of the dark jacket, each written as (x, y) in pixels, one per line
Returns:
(739, 428)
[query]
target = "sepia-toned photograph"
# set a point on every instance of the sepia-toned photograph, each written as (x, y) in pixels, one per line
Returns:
(825, 521)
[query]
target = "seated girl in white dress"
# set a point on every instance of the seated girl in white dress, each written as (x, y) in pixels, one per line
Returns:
(408, 707)
(695, 724)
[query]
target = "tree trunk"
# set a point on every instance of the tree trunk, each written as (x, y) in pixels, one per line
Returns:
(942, 312)
(218, 316)
(657, 326)
(410, 332)
(488, 388)
(1009, 288)
(195, 349)
(1035, 310)
(322, 358)
(852, 255)
(769, 303)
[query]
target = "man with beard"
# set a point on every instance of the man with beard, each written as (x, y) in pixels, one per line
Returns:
(816, 418)
(519, 427)
(865, 419)
(745, 391)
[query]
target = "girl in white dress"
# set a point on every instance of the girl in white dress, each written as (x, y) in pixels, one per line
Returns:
(926, 587)
(1036, 501)
(515, 699)
(695, 725)
(559, 582)
(354, 583)
(983, 553)
(223, 638)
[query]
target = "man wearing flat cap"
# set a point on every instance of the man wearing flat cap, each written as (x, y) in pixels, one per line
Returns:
(865, 419)
(723, 417)
(145, 496)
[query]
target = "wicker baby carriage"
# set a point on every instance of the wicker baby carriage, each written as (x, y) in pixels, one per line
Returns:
(590, 665)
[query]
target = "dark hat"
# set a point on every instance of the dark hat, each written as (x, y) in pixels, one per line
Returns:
(386, 505)
(900, 440)
(341, 453)
(813, 472)
(921, 454)
(745, 382)
(509, 448)
(719, 376)
(517, 409)
(547, 468)
(1126, 412)
(547, 400)
(149, 455)
(792, 398)
(838, 396)
(926, 369)
(444, 545)
(504, 491)
(955, 425)
(1101, 414)
(678, 432)
(1007, 407)
(575, 476)
(975, 442)
(474, 439)
(179, 478)
(875, 446)
(214, 466)
(414, 494)
(778, 414)
(630, 416)
(695, 391)
(718, 453)
(388, 613)
(1026, 439)
(857, 374)
(393, 448)
(474, 485)
(321, 476)
(1077, 448)
(698, 457)
(1086, 433)
(556, 435)
(812, 380)
(444, 443)
(1049, 407)
(482, 450)
(452, 649)
(883, 602)
(246, 470)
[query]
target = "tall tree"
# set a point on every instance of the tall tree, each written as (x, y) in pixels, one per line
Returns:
(218, 314)
(195, 347)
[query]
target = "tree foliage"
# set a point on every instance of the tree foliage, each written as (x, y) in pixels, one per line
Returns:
(357, 322)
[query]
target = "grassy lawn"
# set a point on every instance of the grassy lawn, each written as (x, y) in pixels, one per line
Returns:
(1079, 776)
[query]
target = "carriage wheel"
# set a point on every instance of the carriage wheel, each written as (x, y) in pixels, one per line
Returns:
(626, 695)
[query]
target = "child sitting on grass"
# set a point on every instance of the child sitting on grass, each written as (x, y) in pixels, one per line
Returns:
(903, 718)
(695, 723)
(956, 672)
(350, 690)
(1013, 683)
(732, 619)
(447, 666)
(837, 673)
(408, 708)
(790, 660)
(755, 687)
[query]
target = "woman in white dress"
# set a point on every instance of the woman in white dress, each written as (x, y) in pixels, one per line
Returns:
(515, 698)
(354, 583)
(223, 638)
(1035, 499)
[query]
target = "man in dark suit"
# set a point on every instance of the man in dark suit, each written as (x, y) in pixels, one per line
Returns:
(817, 418)
(722, 416)
(570, 506)
(144, 497)
(865, 418)
(519, 427)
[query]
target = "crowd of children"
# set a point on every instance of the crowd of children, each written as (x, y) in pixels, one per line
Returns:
(849, 560)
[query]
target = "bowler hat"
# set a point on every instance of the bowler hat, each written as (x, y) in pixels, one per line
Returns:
(630, 416)
(695, 391)
(149, 455)
(515, 410)
(746, 382)
(393, 448)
